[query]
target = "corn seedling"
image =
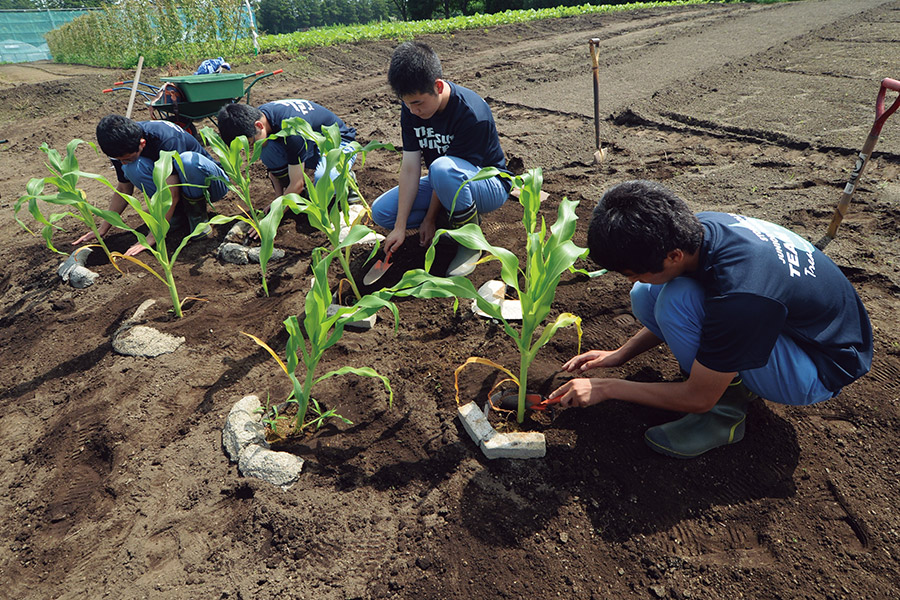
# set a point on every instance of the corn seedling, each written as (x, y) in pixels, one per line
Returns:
(319, 332)
(327, 204)
(153, 213)
(236, 159)
(65, 175)
(548, 254)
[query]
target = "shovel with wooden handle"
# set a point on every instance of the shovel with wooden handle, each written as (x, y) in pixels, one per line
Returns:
(600, 154)
(881, 115)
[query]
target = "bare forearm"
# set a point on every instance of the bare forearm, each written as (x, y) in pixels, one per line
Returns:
(639, 343)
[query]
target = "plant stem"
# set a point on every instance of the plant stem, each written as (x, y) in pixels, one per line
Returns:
(345, 264)
(524, 362)
(173, 292)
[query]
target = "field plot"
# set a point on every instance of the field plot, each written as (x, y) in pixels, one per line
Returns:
(114, 481)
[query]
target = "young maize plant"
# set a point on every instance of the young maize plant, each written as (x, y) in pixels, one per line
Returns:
(236, 159)
(66, 174)
(327, 204)
(319, 332)
(548, 254)
(153, 213)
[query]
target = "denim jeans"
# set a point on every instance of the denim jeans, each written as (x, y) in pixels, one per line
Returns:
(444, 176)
(674, 312)
(197, 173)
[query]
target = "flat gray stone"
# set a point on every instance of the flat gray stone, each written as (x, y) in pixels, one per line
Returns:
(236, 254)
(253, 254)
(278, 468)
(140, 340)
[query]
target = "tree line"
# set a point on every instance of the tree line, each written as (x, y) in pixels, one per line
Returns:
(286, 16)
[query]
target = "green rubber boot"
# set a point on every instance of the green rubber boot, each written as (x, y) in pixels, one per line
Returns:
(694, 434)
(466, 258)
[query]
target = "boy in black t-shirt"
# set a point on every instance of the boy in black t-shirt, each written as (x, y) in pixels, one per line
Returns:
(450, 129)
(134, 147)
(748, 308)
(285, 158)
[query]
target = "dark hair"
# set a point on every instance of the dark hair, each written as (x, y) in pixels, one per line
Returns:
(237, 119)
(118, 135)
(637, 223)
(414, 69)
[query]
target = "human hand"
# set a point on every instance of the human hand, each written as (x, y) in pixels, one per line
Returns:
(136, 249)
(592, 359)
(579, 392)
(85, 238)
(394, 240)
(426, 232)
(102, 229)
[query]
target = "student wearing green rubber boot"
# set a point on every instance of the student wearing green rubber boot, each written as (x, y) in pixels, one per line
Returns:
(748, 308)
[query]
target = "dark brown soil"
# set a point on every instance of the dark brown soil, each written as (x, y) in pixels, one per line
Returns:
(114, 482)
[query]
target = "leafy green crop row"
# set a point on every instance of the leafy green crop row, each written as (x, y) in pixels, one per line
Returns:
(187, 31)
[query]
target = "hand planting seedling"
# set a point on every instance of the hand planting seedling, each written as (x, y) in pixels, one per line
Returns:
(327, 201)
(236, 159)
(66, 174)
(548, 254)
(306, 345)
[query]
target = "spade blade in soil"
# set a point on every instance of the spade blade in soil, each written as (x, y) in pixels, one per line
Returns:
(378, 270)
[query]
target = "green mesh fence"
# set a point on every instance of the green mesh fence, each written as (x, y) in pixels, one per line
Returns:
(22, 32)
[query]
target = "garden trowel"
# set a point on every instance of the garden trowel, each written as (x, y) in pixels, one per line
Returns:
(378, 270)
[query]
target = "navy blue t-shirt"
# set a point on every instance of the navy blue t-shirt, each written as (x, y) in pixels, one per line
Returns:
(293, 150)
(160, 136)
(464, 129)
(762, 280)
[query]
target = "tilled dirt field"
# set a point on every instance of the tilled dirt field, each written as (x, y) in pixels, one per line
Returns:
(114, 482)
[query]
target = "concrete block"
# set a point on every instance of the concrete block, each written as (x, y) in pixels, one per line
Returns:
(515, 445)
(494, 291)
(361, 325)
(475, 423)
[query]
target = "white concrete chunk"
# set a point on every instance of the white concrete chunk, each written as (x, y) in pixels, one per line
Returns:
(515, 445)
(475, 423)
(243, 429)
(362, 325)
(278, 468)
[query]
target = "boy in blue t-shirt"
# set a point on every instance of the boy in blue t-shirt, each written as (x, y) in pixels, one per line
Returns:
(134, 147)
(748, 308)
(450, 129)
(285, 158)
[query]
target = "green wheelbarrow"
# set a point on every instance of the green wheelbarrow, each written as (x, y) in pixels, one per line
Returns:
(190, 98)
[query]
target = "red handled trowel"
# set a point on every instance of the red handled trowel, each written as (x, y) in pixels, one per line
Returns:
(378, 270)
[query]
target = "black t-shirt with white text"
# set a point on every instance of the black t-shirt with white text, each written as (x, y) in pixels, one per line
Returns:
(464, 129)
(762, 280)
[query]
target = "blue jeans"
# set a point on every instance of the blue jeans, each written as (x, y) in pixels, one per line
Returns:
(445, 175)
(320, 167)
(674, 312)
(198, 171)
